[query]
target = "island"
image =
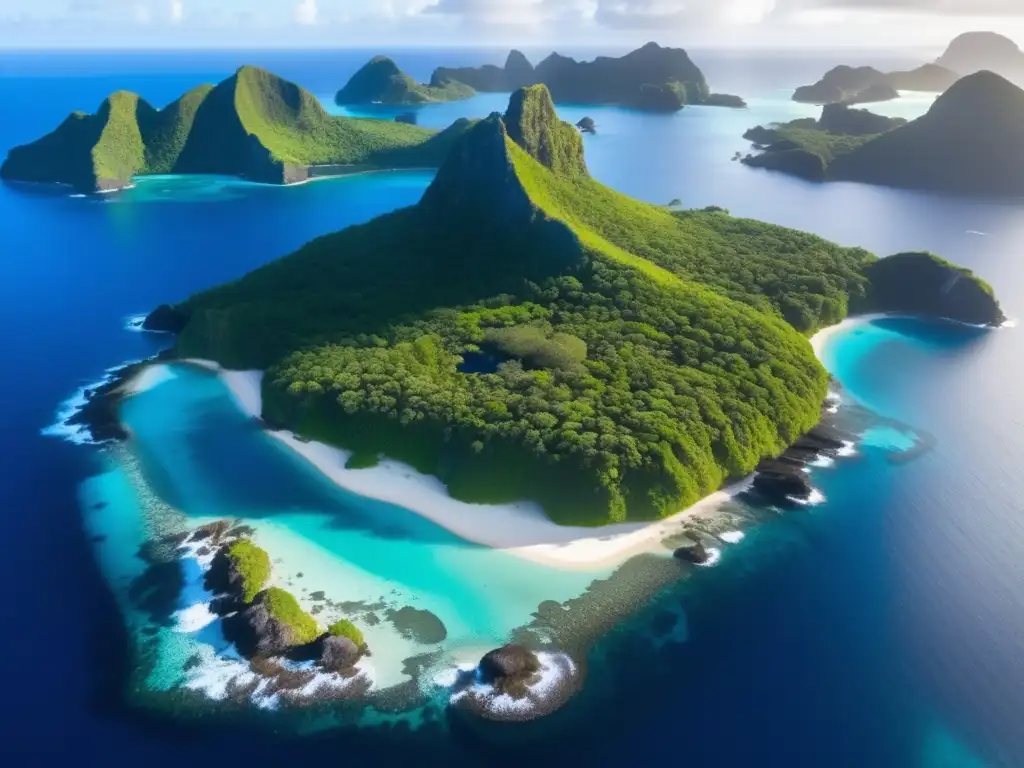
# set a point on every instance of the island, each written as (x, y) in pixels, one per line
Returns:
(863, 85)
(526, 332)
(652, 78)
(254, 125)
(380, 81)
(968, 143)
(976, 51)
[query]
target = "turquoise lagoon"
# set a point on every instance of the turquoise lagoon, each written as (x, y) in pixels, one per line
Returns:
(194, 457)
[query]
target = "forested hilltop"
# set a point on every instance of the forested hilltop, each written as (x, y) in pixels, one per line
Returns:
(970, 142)
(526, 332)
(652, 78)
(380, 81)
(254, 125)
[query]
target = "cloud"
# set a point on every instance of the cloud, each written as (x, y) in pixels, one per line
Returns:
(307, 13)
(933, 7)
(667, 14)
(177, 11)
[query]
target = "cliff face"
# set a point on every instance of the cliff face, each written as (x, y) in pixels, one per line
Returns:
(924, 284)
(533, 124)
(970, 142)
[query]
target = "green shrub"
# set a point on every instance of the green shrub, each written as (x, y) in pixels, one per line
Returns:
(283, 606)
(253, 564)
(345, 628)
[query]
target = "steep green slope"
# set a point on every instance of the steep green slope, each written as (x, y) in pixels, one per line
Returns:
(165, 133)
(254, 124)
(971, 141)
(380, 81)
(638, 358)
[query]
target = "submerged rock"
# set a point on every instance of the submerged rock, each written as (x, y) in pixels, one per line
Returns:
(419, 625)
(587, 125)
(780, 484)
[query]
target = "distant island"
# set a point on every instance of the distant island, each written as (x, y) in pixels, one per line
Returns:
(969, 53)
(864, 85)
(526, 332)
(976, 51)
(254, 125)
(380, 81)
(651, 78)
(970, 142)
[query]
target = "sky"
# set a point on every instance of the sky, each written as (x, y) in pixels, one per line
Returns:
(365, 23)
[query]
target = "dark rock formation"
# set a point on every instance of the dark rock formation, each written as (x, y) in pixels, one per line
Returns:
(509, 664)
(214, 531)
(339, 654)
(779, 483)
(587, 125)
(165, 319)
(101, 414)
(692, 552)
(255, 631)
(519, 71)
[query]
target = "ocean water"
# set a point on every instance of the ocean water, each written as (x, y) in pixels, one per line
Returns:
(882, 627)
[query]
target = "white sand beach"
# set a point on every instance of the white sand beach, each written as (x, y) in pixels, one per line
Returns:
(822, 337)
(521, 528)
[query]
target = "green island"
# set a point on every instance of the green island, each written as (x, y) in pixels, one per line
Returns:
(253, 124)
(976, 51)
(863, 85)
(970, 142)
(380, 81)
(650, 78)
(282, 607)
(252, 566)
(345, 628)
(526, 332)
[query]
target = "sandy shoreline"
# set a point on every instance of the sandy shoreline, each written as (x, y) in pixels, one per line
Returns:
(520, 528)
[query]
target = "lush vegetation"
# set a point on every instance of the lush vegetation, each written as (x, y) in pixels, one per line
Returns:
(650, 78)
(380, 81)
(645, 356)
(253, 124)
(252, 564)
(925, 284)
(969, 142)
(282, 606)
(345, 628)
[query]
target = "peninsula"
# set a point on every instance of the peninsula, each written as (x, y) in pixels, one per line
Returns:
(526, 332)
(380, 81)
(970, 142)
(651, 78)
(254, 125)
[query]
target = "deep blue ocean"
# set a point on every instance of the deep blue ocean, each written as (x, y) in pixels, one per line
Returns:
(884, 627)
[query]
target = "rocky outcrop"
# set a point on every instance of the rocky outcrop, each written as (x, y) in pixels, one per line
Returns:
(783, 481)
(587, 125)
(272, 625)
(509, 668)
(724, 100)
(339, 654)
(101, 413)
(692, 552)
(165, 319)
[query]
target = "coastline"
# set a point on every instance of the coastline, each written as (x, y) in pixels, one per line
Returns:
(520, 529)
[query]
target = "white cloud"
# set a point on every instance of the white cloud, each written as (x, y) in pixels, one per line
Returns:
(142, 13)
(306, 12)
(177, 11)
